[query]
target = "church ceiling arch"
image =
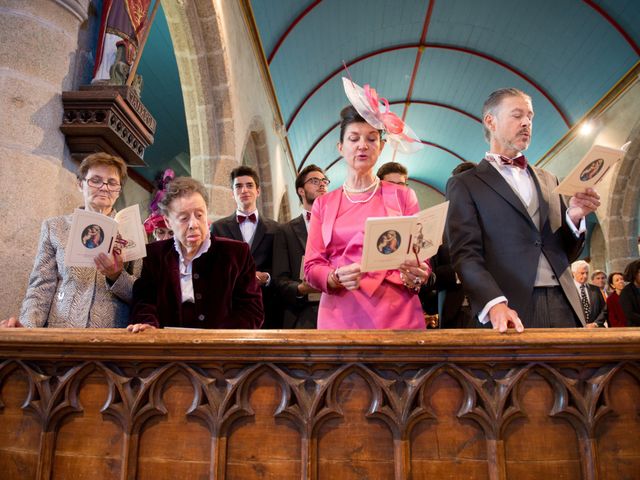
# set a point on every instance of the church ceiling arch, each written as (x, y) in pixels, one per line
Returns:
(424, 53)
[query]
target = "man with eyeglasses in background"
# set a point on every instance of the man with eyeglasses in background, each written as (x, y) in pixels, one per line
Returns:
(300, 299)
(248, 225)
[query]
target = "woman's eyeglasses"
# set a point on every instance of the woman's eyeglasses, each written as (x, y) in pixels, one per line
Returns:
(97, 182)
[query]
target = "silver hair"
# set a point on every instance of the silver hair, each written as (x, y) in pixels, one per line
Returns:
(577, 264)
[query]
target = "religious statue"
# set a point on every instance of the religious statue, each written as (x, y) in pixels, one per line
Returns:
(122, 25)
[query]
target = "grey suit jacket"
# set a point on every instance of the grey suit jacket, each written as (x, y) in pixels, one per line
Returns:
(73, 297)
(494, 244)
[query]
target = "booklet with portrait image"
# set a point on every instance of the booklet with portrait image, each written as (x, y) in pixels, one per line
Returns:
(389, 241)
(590, 171)
(93, 233)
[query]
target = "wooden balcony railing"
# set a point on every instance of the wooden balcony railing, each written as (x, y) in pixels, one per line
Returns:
(106, 404)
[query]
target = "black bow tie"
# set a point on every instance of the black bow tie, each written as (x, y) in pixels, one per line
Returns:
(251, 218)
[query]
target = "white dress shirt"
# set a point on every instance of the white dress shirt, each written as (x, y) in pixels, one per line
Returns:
(248, 228)
(185, 267)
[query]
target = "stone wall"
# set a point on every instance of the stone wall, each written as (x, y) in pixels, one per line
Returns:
(226, 101)
(36, 176)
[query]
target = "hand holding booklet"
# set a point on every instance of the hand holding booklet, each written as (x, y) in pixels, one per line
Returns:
(590, 170)
(389, 241)
(93, 233)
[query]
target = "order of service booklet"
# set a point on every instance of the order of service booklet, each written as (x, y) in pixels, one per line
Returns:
(93, 233)
(389, 241)
(590, 170)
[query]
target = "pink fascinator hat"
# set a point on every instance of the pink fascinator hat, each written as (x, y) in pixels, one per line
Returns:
(153, 221)
(367, 103)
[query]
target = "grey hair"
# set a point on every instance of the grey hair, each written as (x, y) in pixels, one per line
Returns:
(181, 187)
(577, 264)
(494, 101)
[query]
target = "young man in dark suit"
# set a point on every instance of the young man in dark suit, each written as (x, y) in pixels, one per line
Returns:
(511, 238)
(300, 299)
(248, 225)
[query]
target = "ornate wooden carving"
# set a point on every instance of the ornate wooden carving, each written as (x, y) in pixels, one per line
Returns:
(107, 118)
(316, 405)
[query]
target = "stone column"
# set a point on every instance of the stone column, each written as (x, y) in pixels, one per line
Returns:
(39, 41)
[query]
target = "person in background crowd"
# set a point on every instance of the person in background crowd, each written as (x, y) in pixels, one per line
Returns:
(300, 299)
(156, 226)
(599, 279)
(194, 280)
(511, 239)
(630, 294)
(350, 298)
(615, 316)
(394, 172)
(455, 311)
(78, 297)
(591, 300)
(248, 225)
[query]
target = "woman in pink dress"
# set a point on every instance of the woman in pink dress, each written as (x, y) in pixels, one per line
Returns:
(352, 299)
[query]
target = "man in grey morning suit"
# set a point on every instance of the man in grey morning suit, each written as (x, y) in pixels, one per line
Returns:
(512, 239)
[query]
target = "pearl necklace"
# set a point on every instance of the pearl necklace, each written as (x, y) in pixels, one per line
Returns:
(349, 189)
(346, 193)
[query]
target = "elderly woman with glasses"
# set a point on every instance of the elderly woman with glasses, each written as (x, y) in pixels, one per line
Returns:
(79, 297)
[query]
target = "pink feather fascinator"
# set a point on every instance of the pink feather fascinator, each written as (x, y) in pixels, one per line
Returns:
(366, 101)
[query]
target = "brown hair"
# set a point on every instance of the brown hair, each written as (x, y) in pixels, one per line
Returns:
(350, 115)
(302, 177)
(243, 171)
(392, 167)
(105, 159)
(494, 101)
(181, 187)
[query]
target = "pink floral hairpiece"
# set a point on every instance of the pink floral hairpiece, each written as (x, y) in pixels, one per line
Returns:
(153, 221)
(367, 102)
(167, 176)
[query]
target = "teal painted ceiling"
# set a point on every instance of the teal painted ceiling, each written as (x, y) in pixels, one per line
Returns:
(436, 61)
(162, 95)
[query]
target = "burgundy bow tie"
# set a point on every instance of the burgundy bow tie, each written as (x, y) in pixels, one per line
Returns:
(251, 218)
(520, 161)
(308, 214)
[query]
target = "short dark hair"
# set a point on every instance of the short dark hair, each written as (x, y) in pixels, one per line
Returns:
(463, 167)
(243, 171)
(494, 100)
(611, 275)
(631, 271)
(350, 115)
(392, 167)
(104, 159)
(302, 177)
(181, 187)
